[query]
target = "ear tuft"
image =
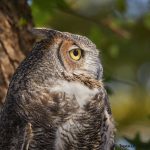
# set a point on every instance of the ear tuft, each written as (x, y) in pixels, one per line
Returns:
(43, 33)
(40, 32)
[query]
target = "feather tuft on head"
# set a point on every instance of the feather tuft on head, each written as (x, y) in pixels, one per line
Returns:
(43, 33)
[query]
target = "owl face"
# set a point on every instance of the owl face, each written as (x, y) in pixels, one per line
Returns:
(72, 53)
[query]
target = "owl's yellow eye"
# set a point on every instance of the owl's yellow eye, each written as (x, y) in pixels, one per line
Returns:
(75, 54)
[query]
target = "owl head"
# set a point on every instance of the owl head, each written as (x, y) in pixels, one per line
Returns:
(69, 53)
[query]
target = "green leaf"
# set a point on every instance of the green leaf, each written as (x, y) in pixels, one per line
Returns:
(140, 145)
(121, 5)
(114, 51)
(147, 21)
(22, 22)
(43, 10)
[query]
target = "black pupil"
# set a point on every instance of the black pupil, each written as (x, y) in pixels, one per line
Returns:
(75, 52)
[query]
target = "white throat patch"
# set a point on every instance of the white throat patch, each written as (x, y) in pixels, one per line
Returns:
(82, 93)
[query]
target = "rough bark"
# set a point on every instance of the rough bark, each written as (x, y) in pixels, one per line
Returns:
(15, 39)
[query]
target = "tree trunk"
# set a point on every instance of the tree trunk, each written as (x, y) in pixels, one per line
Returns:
(15, 39)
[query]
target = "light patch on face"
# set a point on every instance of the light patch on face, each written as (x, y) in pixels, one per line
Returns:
(81, 92)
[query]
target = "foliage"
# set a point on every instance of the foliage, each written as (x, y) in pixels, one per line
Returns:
(138, 143)
(42, 11)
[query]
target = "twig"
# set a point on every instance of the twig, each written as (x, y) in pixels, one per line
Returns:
(107, 23)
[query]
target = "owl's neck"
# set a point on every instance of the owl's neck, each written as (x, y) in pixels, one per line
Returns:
(82, 93)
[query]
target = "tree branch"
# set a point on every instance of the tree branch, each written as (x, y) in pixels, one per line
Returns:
(106, 23)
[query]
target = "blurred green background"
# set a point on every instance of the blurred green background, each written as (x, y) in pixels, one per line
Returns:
(121, 30)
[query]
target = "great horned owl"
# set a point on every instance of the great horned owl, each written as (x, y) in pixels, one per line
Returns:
(56, 99)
